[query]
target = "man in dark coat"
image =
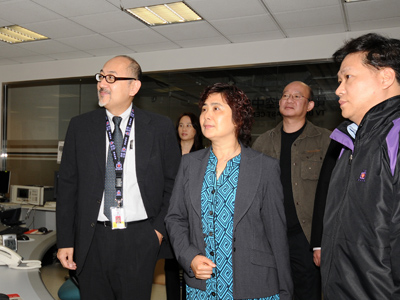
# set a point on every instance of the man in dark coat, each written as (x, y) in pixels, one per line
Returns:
(361, 237)
(114, 243)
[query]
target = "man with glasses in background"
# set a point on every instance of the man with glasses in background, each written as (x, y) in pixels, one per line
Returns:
(301, 147)
(116, 177)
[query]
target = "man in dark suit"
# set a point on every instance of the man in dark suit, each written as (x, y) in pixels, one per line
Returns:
(113, 244)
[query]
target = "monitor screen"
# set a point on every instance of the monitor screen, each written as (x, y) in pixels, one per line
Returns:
(4, 182)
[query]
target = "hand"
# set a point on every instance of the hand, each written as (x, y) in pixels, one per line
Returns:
(160, 237)
(202, 267)
(65, 255)
(317, 258)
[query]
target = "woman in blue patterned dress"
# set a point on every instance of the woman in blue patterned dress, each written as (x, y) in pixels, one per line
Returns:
(226, 220)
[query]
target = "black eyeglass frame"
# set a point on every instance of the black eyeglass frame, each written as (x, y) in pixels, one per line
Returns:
(294, 97)
(99, 77)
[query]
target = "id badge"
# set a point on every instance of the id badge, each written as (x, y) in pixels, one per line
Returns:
(118, 218)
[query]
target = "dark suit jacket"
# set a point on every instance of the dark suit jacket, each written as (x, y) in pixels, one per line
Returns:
(321, 193)
(260, 248)
(82, 175)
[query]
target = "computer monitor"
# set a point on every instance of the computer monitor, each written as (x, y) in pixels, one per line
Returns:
(4, 183)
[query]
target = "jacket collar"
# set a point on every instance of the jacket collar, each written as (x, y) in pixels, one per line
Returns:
(249, 172)
(379, 115)
(309, 131)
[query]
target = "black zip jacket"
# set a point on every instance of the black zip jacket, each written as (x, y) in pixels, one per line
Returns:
(361, 238)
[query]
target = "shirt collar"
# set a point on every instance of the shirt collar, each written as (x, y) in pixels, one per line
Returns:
(124, 115)
(352, 130)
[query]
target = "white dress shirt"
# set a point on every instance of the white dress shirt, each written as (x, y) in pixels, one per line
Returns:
(132, 199)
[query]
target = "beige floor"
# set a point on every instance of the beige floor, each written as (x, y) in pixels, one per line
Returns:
(53, 277)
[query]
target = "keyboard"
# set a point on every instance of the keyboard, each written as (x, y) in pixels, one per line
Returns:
(14, 229)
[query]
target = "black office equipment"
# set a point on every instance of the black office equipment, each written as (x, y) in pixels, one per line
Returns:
(43, 230)
(14, 229)
(10, 217)
(4, 297)
(22, 237)
(4, 185)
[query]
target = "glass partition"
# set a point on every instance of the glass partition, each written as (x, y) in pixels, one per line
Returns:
(36, 114)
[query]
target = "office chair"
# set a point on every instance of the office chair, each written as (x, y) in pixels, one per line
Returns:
(70, 288)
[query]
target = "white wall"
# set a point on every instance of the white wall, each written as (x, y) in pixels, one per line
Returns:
(266, 52)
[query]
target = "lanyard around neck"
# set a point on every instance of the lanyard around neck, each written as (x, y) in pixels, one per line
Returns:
(119, 161)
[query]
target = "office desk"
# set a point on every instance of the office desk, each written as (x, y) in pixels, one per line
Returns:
(28, 283)
(39, 216)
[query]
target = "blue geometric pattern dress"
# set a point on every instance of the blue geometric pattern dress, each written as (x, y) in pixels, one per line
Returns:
(217, 208)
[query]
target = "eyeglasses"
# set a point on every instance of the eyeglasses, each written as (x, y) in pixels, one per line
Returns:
(111, 78)
(296, 96)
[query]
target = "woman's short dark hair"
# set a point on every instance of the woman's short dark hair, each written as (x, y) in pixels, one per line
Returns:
(242, 111)
(198, 137)
(380, 52)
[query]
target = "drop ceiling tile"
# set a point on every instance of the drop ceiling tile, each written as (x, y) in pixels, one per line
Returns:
(109, 22)
(13, 50)
(88, 42)
(136, 37)
(255, 37)
(59, 29)
(24, 12)
(70, 55)
(315, 30)
(202, 42)
(187, 31)
(4, 62)
(222, 9)
(136, 3)
(120, 50)
(309, 18)
(375, 24)
(154, 47)
(72, 8)
(276, 6)
(46, 47)
(4, 23)
(372, 10)
(243, 25)
(33, 59)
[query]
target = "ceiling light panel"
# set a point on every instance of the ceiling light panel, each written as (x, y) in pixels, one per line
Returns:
(17, 34)
(177, 12)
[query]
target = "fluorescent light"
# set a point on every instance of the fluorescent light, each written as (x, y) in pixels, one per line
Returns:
(17, 34)
(177, 12)
(347, 1)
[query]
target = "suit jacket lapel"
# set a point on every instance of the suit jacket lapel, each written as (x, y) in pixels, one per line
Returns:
(143, 143)
(197, 169)
(249, 176)
(97, 134)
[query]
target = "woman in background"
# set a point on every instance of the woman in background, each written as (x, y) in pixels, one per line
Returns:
(190, 139)
(189, 133)
(226, 219)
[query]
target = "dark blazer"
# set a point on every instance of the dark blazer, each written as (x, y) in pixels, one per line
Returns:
(82, 175)
(321, 193)
(260, 249)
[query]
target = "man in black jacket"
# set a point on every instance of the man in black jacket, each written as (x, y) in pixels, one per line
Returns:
(361, 237)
